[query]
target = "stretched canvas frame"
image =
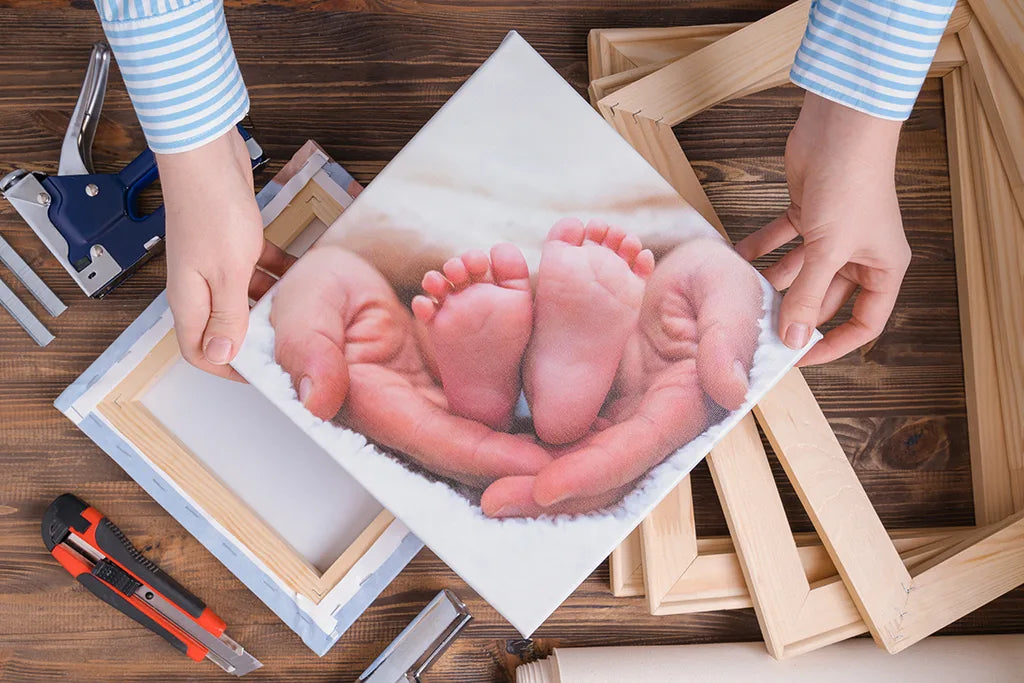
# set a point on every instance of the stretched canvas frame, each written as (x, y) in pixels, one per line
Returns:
(318, 605)
(900, 604)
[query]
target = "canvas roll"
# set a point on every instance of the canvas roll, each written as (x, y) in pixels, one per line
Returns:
(939, 659)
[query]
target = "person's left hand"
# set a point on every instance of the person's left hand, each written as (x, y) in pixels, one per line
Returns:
(689, 359)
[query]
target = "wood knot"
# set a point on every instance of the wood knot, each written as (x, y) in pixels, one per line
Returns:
(915, 446)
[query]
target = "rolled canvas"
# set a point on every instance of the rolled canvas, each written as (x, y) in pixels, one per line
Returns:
(511, 153)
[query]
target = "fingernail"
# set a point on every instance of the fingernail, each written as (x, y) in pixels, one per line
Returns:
(510, 510)
(797, 335)
(305, 389)
(558, 498)
(741, 372)
(218, 350)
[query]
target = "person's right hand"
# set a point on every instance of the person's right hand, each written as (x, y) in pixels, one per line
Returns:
(840, 166)
(214, 242)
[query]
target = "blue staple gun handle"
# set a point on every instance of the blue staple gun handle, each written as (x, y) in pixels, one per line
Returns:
(90, 221)
(98, 216)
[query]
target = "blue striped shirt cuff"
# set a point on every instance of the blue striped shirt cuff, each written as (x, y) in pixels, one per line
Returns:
(871, 55)
(179, 67)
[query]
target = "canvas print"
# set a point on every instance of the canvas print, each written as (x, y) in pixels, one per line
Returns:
(519, 337)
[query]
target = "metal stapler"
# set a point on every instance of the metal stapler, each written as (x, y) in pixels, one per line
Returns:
(91, 221)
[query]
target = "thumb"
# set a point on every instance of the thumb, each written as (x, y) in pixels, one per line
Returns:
(308, 316)
(801, 305)
(229, 319)
(728, 316)
(725, 293)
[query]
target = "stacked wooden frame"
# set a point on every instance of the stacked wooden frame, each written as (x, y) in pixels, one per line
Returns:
(851, 577)
(107, 403)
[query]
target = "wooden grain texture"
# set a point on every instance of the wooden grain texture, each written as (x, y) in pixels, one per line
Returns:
(670, 529)
(643, 51)
(993, 494)
(1003, 104)
(714, 73)
(361, 77)
(1003, 21)
(1001, 232)
(760, 53)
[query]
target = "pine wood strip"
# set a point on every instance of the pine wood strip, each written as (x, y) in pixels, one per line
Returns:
(979, 569)
(757, 523)
(1002, 103)
(613, 50)
(673, 532)
(990, 474)
(1002, 240)
(716, 573)
(625, 567)
(829, 614)
(898, 609)
(796, 612)
(712, 74)
(1003, 21)
(836, 503)
(658, 144)
(948, 56)
(363, 542)
(734, 63)
(602, 87)
(311, 202)
(715, 579)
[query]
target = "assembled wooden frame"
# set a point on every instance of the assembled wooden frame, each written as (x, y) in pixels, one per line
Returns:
(858, 578)
(317, 198)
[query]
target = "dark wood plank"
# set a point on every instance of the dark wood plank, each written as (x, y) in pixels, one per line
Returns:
(361, 76)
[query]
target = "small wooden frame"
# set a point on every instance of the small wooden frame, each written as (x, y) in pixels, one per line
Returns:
(124, 409)
(319, 198)
(901, 600)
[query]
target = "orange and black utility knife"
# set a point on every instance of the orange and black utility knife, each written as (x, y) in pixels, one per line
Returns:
(103, 560)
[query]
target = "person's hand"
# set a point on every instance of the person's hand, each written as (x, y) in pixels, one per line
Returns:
(689, 360)
(840, 166)
(355, 355)
(214, 242)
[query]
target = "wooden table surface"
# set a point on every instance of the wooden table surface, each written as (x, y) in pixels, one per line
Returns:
(360, 77)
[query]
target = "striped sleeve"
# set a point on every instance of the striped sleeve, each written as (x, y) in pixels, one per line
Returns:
(871, 55)
(177, 62)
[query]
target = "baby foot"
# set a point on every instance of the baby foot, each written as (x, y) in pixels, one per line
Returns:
(478, 318)
(589, 290)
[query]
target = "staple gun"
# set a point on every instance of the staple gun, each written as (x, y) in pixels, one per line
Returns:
(91, 221)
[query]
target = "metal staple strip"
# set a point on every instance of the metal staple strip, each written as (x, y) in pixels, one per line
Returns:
(43, 294)
(28, 321)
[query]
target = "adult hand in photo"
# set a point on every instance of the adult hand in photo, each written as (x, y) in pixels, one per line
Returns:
(840, 166)
(214, 243)
(355, 356)
(693, 349)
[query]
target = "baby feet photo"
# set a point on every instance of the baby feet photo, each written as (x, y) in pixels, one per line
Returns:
(478, 316)
(519, 338)
(589, 289)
